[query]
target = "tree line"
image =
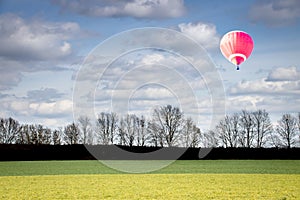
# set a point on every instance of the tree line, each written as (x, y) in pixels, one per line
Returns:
(167, 127)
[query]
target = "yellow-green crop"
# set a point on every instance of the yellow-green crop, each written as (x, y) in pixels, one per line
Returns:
(152, 186)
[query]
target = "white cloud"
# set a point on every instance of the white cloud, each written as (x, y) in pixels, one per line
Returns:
(54, 123)
(35, 40)
(153, 9)
(26, 112)
(280, 81)
(152, 59)
(22, 106)
(276, 105)
(204, 34)
(33, 45)
(264, 87)
(284, 74)
(66, 48)
(61, 107)
(248, 102)
(275, 12)
(278, 93)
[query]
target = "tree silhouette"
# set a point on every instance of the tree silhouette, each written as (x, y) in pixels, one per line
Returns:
(287, 130)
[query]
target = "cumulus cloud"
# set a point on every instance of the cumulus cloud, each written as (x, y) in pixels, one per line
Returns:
(33, 45)
(35, 40)
(275, 12)
(275, 104)
(25, 107)
(265, 87)
(279, 92)
(280, 81)
(53, 109)
(151, 9)
(284, 74)
(204, 34)
(54, 112)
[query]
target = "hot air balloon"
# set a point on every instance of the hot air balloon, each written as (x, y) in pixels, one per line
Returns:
(236, 46)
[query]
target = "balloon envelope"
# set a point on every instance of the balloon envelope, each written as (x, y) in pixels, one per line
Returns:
(236, 46)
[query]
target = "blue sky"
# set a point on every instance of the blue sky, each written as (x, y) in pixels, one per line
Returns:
(44, 44)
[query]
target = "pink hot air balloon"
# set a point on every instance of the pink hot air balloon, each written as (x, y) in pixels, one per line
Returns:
(236, 46)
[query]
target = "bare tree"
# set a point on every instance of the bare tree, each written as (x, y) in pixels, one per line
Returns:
(23, 137)
(246, 129)
(187, 132)
(34, 134)
(298, 121)
(85, 126)
(113, 126)
(128, 129)
(298, 125)
(209, 139)
(102, 129)
(190, 136)
(28, 134)
(133, 130)
(43, 134)
(72, 134)
(57, 136)
(142, 134)
(274, 140)
(246, 124)
(106, 127)
(262, 127)
(122, 132)
(228, 130)
(155, 133)
(195, 137)
(287, 130)
(167, 122)
(9, 130)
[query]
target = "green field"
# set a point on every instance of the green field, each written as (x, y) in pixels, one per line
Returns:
(202, 179)
(25, 168)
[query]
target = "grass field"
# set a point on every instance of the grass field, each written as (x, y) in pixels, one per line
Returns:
(26, 168)
(203, 179)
